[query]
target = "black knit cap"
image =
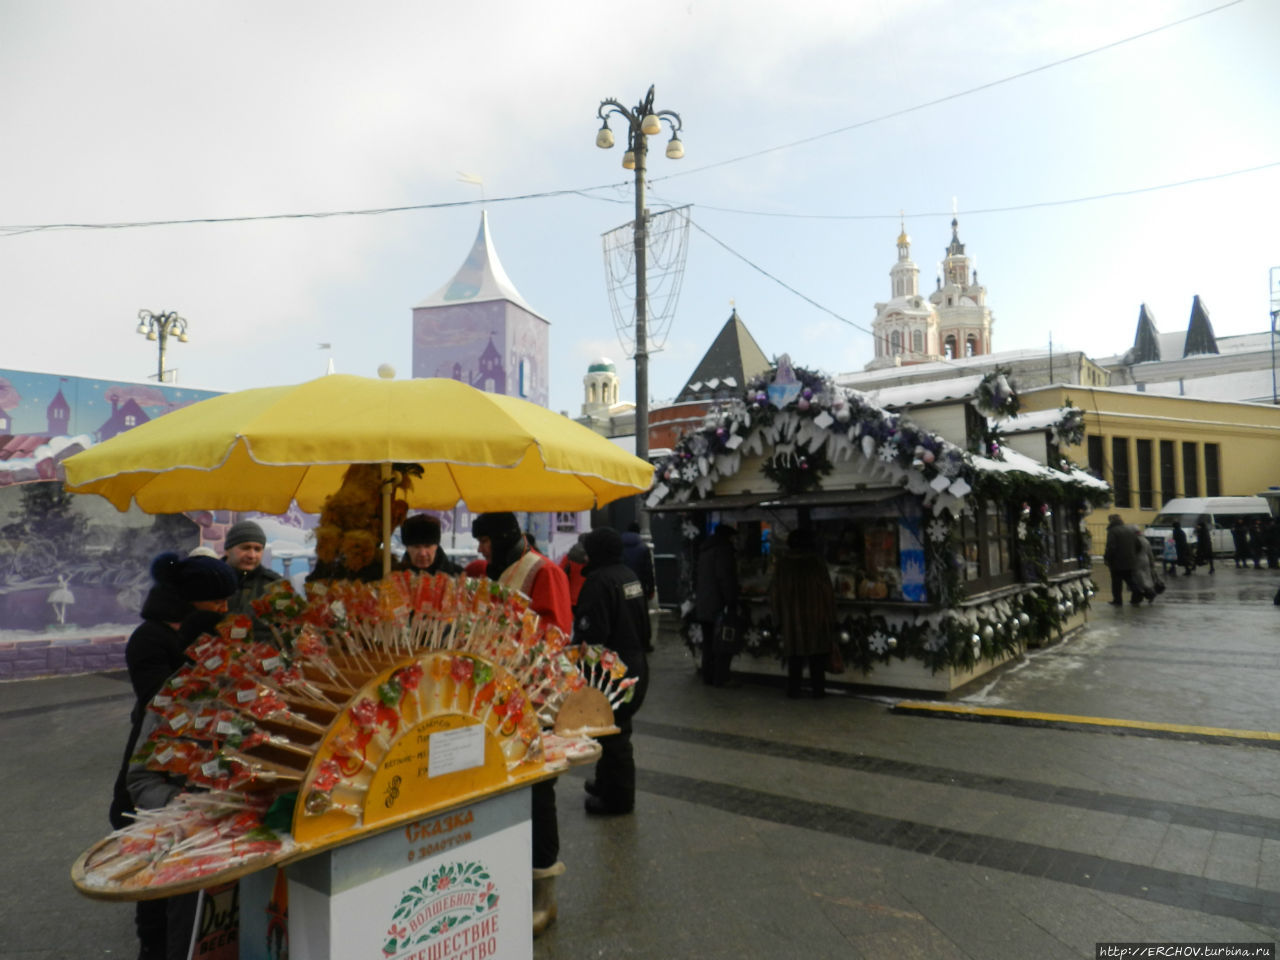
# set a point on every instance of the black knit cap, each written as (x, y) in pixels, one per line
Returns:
(604, 546)
(420, 530)
(496, 526)
(194, 578)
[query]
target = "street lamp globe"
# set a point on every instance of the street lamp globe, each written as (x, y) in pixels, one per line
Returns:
(604, 139)
(675, 149)
(650, 125)
(629, 160)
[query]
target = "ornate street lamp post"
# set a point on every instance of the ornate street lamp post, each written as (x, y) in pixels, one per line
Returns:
(642, 122)
(161, 326)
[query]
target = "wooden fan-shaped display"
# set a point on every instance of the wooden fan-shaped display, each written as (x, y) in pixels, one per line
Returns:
(379, 703)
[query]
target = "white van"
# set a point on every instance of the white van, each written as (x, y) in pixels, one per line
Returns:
(1221, 513)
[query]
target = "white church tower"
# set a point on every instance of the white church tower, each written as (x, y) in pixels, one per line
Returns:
(964, 320)
(951, 322)
(906, 326)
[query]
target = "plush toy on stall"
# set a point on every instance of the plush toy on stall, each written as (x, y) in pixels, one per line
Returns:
(350, 527)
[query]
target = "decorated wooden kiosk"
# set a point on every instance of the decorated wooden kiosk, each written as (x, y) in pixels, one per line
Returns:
(951, 549)
(382, 747)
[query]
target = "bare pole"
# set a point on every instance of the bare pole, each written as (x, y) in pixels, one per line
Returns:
(642, 122)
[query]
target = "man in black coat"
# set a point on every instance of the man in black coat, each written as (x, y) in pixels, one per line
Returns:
(637, 555)
(1121, 556)
(612, 612)
(189, 597)
(715, 602)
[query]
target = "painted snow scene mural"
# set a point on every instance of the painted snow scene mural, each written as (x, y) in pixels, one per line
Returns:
(74, 566)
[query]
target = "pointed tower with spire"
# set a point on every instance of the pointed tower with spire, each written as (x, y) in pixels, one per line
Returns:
(1200, 338)
(964, 320)
(1146, 341)
(478, 329)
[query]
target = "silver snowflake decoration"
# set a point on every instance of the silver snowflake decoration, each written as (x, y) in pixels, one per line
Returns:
(690, 472)
(938, 530)
(878, 642)
(753, 639)
(936, 641)
(690, 530)
(888, 452)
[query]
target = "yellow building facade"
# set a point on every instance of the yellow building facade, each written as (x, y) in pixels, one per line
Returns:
(1153, 448)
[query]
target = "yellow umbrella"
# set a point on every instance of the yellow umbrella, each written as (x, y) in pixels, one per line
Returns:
(264, 448)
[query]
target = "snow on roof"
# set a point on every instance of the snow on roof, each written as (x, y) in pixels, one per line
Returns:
(1015, 462)
(931, 391)
(958, 367)
(1026, 422)
(1250, 386)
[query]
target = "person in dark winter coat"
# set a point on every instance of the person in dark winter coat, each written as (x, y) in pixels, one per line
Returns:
(637, 555)
(613, 613)
(1121, 556)
(420, 535)
(1271, 543)
(1256, 547)
(1240, 541)
(715, 586)
(1182, 549)
(1204, 545)
(189, 597)
(804, 611)
(244, 545)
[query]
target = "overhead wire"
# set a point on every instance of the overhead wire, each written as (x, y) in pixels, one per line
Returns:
(19, 229)
(951, 96)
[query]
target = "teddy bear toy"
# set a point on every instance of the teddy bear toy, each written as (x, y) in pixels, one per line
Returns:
(350, 527)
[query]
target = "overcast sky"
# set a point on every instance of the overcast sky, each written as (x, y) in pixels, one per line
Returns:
(121, 112)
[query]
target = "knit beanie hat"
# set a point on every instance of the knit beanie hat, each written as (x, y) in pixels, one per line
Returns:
(604, 545)
(420, 530)
(496, 526)
(194, 578)
(246, 531)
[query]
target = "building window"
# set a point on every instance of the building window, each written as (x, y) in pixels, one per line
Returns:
(1097, 463)
(999, 552)
(1146, 491)
(1168, 479)
(526, 379)
(130, 420)
(895, 342)
(1190, 476)
(971, 347)
(917, 341)
(949, 348)
(1212, 479)
(1120, 486)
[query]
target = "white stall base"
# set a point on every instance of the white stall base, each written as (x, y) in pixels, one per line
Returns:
(452, 886)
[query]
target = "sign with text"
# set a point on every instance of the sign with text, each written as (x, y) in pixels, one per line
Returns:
(455, 886)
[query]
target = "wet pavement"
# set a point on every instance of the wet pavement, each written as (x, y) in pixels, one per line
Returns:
(768, 827)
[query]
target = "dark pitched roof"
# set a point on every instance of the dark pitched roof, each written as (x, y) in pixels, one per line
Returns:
(1146, 341)
(1200, 338)
(733, 358)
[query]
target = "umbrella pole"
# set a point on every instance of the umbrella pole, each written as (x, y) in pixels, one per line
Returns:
(386, 519)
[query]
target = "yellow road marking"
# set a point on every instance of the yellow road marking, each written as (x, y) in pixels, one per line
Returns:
(962, 708)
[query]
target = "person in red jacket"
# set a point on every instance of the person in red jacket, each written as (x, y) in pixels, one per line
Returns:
(572, 563)
(513, 563)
